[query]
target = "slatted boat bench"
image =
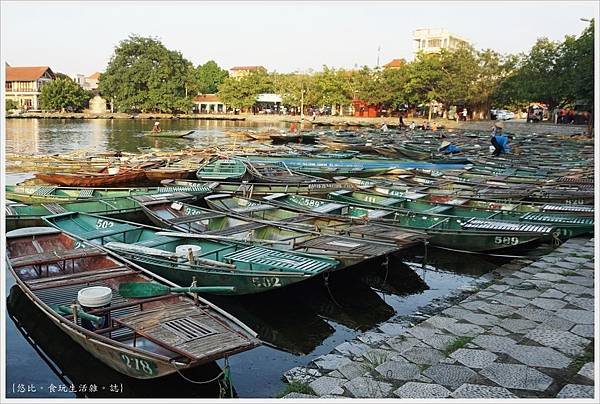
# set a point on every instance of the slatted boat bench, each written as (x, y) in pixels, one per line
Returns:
(275, 259)
(43, 191)
(110, 231)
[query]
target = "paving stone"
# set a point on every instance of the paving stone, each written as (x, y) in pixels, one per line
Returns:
(531, 269)
(557, 323)
(572, 289)
(439, 321)
(327, 385)
(473, 305)
(479, 391)
(463, 329)
(577, 260)
(535, 314)
(494, 343)
(421, 390)
(331, 361)
(473, 358)
(371, 337)
(549, 277)
(401, 343)
(449, 375)
(336, 373)
(352, 348)
(587, 370)
(392, 328)
(539, 356)
(525, 293)
(398, 370)
(440, 341)
(423, 356)
(377, 355)
(496, 309)
(564, 341)
(577, 316)
(517, 326)
(553, 294)
(548, 304)
(580, 280)
(584, 330)
(576, 391)
(566, 265)
(584, 303)
(456, 312)
(353, 369)
(498, 331)
(516, 376)
(481, 319)
(422, 331)
(299, 395)
(365, 387)
(301, 374)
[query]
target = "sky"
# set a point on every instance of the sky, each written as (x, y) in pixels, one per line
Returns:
(79, 37)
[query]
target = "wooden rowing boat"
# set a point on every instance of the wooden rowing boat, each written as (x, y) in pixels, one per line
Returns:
(37, 194)
(142, 338)
(171, 133)
(255, 189)
(223, 170)
(183, 259)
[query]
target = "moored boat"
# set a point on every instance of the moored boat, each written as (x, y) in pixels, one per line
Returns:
(171, 133)
(137, 336)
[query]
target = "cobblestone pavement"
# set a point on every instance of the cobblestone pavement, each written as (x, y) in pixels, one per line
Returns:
(524, 330)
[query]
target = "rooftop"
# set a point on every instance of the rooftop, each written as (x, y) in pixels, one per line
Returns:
(28, 73)
(94, 76)
(395, 63)
(248, 68)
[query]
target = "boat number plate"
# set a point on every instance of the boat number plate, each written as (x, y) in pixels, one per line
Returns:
(139, 365)
(103, 224)
(270, 282)
(506, 240)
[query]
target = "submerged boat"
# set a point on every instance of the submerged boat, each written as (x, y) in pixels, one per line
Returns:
(471, 234)
(183, 259)
(185, 218)
(141, 337)
(37, 194)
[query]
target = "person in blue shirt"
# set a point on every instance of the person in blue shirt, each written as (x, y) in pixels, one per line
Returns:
(448, 148)
(499, 140)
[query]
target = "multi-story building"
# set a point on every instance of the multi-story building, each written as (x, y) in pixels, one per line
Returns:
(24, 84)
(241, 71)
(433, 40)
(89, 82)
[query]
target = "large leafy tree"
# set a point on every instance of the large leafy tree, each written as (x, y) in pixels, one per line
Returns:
(144, 75)
(62, 94)
(332, 87)
(206, 78)
(241, 92)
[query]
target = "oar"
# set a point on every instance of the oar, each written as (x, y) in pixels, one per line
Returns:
(147, 289)
(218, 237)
(61, 309)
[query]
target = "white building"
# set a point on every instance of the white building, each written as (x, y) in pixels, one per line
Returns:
(433, 40)
(24, 85)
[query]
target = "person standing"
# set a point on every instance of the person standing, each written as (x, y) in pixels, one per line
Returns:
(464, 114)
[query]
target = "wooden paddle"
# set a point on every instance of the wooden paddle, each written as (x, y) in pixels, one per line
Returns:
(147, 289)
(218, 237)
(63, 309)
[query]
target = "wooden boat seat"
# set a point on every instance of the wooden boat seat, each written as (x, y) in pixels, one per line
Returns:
(192, 189)
(377, 214)
(111, 231)
(278, 259)
(252, 208)
(328, 207)
(194, 218)
(568, 208)
(43, 191)
(480, 224)
(54, 208)
(55, 256)
(437, 209)
(543, 217)
(78, 278)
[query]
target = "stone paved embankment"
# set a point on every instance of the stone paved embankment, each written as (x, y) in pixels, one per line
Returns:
(527, 331)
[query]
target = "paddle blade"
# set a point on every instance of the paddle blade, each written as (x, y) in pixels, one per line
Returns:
(142, 289)
(206, 289)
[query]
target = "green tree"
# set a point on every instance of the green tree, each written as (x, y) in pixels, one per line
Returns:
(393, 82)
(207, 78)
(241, 92)
(10, 104)
(331, 87)
(144, 75)
(64, 94)
(424, 77)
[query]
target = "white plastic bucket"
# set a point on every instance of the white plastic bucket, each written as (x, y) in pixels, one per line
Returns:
(94, 297)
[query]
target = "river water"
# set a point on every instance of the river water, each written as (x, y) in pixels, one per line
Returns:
(298, 324)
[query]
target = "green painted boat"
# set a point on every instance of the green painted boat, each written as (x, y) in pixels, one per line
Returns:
(222, 170)
(255, 189)
(36, 194)
(185, 218)
(183, 260)
(171, 133)
(472, 234)
(262, 210)
(20, 215)
(567, 226)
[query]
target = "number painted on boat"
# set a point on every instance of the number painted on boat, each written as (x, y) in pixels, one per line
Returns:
(190, 211)
(103, 224)
(272, 282)
(138, 364)
(506, 240)
(574, 202)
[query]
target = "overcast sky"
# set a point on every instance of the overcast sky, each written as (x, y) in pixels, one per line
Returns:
(79, 37)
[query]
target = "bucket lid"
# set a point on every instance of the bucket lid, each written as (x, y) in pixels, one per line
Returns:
(182, 250)
(94, 296)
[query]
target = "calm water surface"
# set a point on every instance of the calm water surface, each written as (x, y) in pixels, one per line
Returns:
(297, 324)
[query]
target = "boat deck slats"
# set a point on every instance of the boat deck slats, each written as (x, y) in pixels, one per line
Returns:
(192, 189)
(110, 231)
(279, 260)
(185, 328)
(541, 217)
(252, 208)
(78, 278)
(43, 191)
(237, 229)
(338, 244)
(55, 256)
(568, 208)
(54, 208)
(194, 218)
(377, 214)
(328, 207)
(86, 193)
(480, 224)
(439, 209)
(400, 236)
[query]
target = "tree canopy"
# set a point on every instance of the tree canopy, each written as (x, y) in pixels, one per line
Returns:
(62, 94)
(144, 75)
(206, 78)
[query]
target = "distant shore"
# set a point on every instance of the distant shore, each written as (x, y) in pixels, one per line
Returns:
(319, 121)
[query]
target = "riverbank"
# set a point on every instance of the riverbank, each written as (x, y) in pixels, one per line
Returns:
(524, 330)
(321, 121)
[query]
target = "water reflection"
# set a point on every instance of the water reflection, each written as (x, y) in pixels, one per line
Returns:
(74, 365)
